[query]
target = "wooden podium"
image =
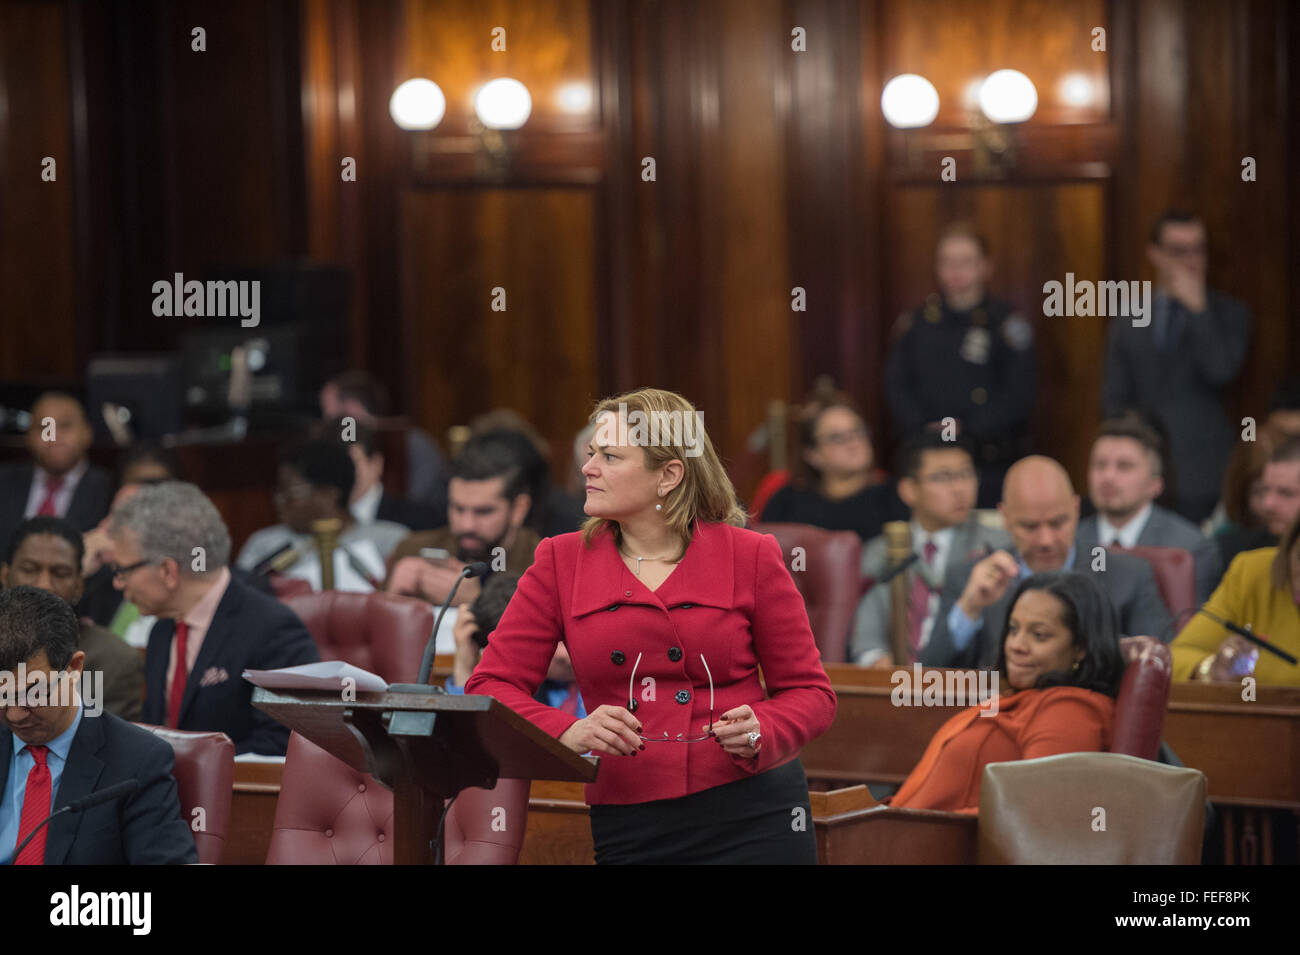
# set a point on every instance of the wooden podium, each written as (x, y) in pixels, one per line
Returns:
(426, 748)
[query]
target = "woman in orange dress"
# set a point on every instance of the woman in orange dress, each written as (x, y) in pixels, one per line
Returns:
(1058, 675)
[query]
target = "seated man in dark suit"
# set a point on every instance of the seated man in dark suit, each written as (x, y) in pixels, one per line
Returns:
(1041, 512)
(170, 555)
(46, 552)
(59, 480)
(56, 750)
(370, 501)
(1124, 481)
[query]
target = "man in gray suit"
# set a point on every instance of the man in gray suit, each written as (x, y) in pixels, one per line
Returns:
(938, 483)
(1041, 512)
(1177, 367)
(1124, 481)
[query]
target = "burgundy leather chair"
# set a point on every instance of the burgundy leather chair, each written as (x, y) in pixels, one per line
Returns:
(330, 814)
(382, 633)
(205, 778)
(929, 837)
(1175, 572)
(1143, 699)
(830, 581)
(286, 587)
(1042, 812)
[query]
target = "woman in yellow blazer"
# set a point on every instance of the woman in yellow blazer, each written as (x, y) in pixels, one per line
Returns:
(1261, 589)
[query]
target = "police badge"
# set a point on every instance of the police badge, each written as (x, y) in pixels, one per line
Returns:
(975, 346)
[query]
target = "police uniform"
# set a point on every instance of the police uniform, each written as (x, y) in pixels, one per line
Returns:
(976, 366)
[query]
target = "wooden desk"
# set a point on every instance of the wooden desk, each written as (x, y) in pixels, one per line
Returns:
(1209, 727)
(872, 740)
(850, 829)
(252, 813)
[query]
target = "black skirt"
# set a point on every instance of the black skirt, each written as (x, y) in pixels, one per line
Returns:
(760, 820)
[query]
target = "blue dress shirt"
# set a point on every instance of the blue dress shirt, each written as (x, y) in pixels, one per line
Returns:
(962, 628)
(20, 764)
(551, 692)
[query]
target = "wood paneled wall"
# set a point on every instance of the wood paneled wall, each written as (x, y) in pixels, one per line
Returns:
(774, 169)
(37, 228)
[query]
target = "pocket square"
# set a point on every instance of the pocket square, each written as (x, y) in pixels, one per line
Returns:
(213, 676)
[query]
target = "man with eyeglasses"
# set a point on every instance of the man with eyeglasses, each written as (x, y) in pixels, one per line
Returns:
(170, 555)
(937, 481)
(1177, 368)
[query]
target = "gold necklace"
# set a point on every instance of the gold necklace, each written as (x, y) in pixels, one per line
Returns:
(638, 559)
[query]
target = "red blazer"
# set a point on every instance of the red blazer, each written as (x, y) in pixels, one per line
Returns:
(731, 599)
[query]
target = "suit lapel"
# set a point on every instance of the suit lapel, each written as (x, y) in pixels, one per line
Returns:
(14, 503)
(1085, 539)
(81, 497)
(222, 622)
(1153, 533)
(79, 778)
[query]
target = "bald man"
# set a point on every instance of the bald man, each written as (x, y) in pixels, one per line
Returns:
(1041, 513)
(58, 480)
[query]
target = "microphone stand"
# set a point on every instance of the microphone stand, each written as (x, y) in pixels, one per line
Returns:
(426, 662)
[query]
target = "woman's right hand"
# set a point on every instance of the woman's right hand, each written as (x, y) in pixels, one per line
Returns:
(611, 730)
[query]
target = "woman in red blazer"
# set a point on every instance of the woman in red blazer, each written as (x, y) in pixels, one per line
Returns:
(668, 608)
(1059, 673)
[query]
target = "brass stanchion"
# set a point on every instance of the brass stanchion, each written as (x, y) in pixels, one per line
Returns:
(326, 532)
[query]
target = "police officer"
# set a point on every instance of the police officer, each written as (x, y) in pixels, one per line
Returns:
(965, 356)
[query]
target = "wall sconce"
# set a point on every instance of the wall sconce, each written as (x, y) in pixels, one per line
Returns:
(909, 101)
(417, 104)
(501, 106)
(1005, 98)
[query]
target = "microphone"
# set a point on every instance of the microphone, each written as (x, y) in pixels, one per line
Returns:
(280, 559)
(361, 569)
(893, 572)
(116, 791)
(1247, 634)
(476, 569)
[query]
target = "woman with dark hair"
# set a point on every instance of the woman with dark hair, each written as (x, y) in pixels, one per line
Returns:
(1059, 671)
(834, 485)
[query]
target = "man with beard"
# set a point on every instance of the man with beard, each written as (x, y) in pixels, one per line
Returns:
(488, 502)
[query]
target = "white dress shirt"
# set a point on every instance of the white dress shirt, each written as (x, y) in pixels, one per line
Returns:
(63, 498)
(943, 547)
(366, 508)
(1128, 534)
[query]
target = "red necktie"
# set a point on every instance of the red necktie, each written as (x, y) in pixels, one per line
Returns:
(36, 806)
(918, 604)
(570, 703)
(52, 487)
(178, 676)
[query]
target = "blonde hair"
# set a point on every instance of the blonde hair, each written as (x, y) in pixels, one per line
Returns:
(705, 492)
